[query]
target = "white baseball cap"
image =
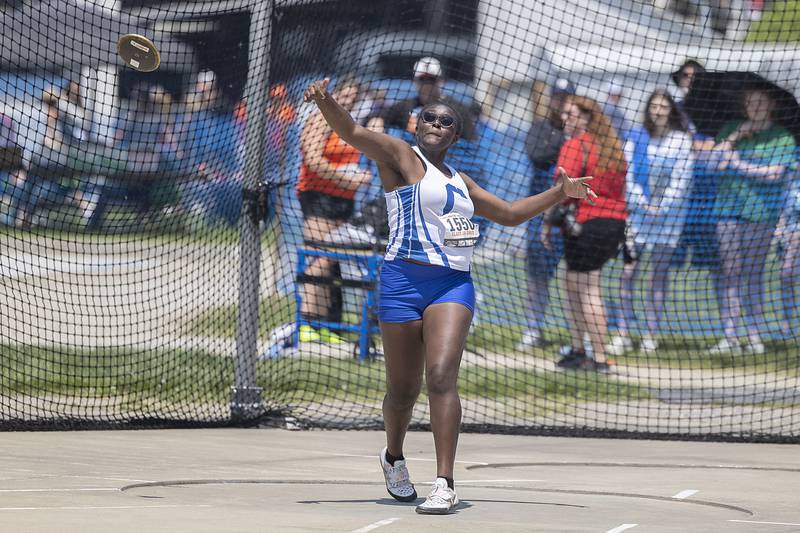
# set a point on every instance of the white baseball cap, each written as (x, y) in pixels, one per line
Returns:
(563, 86)
(615, 88)
(427, 66)
(206, 76)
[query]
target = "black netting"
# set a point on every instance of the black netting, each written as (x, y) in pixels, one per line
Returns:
(192, 246)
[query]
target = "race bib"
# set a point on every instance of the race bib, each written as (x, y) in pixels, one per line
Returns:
(459, 231)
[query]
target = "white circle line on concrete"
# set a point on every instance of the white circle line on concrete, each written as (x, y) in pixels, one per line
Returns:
(462, 481)
(631, 465)
(769, 523)
(190, 482)
(375, 525)
(622, 527)
(97, 507)
(127, 480)
(76, 489)
(685, 494)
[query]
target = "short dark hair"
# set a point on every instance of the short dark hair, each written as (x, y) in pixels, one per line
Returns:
(675, 121)
(453, 111)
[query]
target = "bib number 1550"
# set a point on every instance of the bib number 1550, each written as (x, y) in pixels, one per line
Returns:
(459, 224)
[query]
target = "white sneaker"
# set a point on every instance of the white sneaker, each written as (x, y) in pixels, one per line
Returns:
(649, 345)
(530, 339)
(619, 345)
(725, 347)
(441, 500)
(397, 480)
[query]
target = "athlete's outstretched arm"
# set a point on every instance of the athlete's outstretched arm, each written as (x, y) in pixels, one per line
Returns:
(377, 146)
(487, 205)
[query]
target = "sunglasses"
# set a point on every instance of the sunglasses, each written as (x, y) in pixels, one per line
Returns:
(445, 121)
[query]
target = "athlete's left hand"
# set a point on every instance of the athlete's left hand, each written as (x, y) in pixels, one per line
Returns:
(576, 187)
(316, 91)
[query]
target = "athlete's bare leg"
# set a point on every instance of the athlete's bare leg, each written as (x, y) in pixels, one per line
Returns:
(403, 355)
(445, 328)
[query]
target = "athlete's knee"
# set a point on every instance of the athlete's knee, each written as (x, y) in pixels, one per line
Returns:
(440, 380)
(401, 397)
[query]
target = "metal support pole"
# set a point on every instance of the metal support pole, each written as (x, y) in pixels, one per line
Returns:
(246, 395)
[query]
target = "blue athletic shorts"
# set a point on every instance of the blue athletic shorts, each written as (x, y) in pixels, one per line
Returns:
(407, 289)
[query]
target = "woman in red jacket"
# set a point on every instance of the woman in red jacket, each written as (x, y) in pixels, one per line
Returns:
(593, 230)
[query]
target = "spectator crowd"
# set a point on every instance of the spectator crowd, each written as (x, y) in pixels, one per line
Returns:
(664, 188)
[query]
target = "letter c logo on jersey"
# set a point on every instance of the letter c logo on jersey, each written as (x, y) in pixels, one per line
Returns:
(451, 191)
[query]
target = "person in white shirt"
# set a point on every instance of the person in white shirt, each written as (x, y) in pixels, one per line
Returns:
(658, 181)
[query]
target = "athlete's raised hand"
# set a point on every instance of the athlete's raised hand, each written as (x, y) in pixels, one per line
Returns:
(317, 91)
(576, 187)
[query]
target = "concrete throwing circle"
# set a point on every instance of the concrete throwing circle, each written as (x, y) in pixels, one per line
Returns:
(592, 464)
(505, 504)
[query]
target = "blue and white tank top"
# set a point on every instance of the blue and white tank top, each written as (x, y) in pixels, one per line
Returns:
(429, 221)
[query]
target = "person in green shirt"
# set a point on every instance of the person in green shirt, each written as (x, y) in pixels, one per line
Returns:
(753, 156)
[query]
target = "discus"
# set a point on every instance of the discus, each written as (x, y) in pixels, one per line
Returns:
(138, 52)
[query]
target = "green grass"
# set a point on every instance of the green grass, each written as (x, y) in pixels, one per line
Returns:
(688, 352)
(673, 352)
(781, 23)
(176, 376)
(691, 304)
(121, 226)
(192, 376)
(554, 386)
(221, 321)
(494, 338)
(780, 356)
(313, 379)
(273, 312)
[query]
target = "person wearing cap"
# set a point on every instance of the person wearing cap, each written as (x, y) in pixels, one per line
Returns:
(542, 144)
(545, 137)
(204, 94)
(429, 80)
(207, 135)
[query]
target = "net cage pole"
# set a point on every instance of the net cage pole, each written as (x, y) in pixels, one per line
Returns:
(245, 394)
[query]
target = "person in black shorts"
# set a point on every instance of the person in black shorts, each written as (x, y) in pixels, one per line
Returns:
(593, 233)
(329, 178)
